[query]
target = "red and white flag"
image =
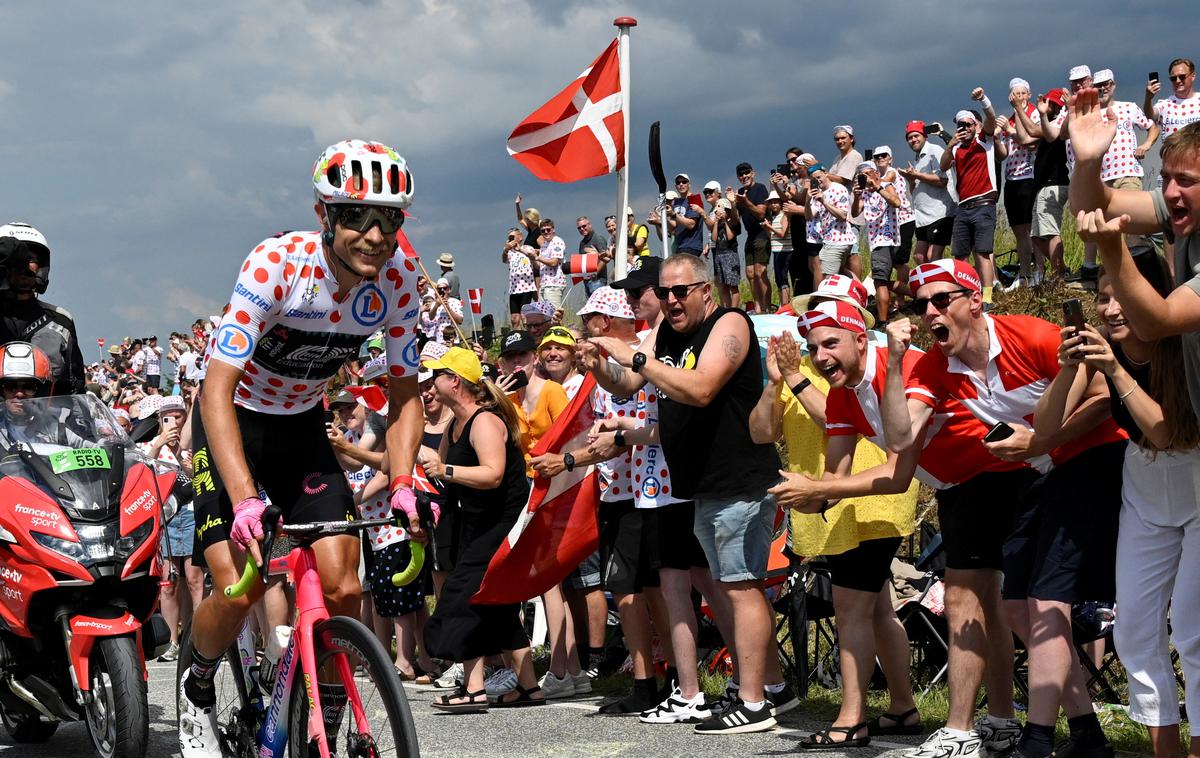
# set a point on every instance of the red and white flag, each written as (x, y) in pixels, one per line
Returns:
(100, 343)
(476, 298)
(371, 396)
(405, 246)
(557, 529)
(580, 132)
(421, 481)
(583, 266)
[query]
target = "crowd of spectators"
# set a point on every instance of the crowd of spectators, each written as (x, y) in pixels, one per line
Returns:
(1064, 461)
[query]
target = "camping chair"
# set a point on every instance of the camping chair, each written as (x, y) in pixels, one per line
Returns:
(922, 610)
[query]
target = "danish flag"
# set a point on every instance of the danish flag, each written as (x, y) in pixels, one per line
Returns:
(583, 267)
(476, 298)
(580, 132)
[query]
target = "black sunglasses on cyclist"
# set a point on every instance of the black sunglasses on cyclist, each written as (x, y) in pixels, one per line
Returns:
(941, 301)
(361, 218)
(680, 291)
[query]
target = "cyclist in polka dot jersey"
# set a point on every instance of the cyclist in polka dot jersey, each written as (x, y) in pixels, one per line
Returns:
(303, 303)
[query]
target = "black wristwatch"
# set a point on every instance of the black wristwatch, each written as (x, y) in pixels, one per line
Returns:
(619, 438)
(639, 360)
(568, 461)
(449, 473)
(801, 385)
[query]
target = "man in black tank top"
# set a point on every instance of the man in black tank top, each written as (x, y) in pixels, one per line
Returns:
(704, 364)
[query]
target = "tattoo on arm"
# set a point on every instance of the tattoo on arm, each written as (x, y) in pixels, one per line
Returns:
(733, 348)
(616, 372)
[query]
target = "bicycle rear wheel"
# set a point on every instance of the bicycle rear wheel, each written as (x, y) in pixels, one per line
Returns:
(389, 729)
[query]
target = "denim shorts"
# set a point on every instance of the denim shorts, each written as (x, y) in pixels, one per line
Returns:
(736, 534)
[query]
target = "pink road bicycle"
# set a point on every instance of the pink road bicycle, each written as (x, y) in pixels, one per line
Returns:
(376, 720)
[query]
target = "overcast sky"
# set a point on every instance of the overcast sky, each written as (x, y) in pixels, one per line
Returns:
(155, 144)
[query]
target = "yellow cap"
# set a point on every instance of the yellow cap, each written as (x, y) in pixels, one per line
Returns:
(462, 362)
(558, 334)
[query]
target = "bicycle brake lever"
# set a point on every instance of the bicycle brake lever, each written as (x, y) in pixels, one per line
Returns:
(270, 519)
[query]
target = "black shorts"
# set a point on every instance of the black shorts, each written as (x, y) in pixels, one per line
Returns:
(883, 261)
(628, 547)
(1064, 546)
(292, 463)
(516, 301)
(675, 530)
(907, 230)
(864, 568)
(940, 232)
(974, 230)
(1018, 201)
(978, 515)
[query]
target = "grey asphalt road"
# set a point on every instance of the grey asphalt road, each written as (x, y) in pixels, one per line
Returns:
(564, 728)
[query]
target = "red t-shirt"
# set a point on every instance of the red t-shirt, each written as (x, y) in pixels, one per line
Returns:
(975, 169)
(1022, 361)
(953, 450)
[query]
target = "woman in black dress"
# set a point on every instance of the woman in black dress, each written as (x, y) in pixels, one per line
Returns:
(481, 462)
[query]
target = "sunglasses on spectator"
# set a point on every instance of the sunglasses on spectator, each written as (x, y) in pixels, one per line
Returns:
(609, 218)
(1105, 85)
(560, 331)
(547, 229)
(965, 124)
(682, 181)
(29, 388)
(1178, 77)
(361, 218)
(941, 301)
(710, 192)
(680, 291)
(581, 227)
(744, 174)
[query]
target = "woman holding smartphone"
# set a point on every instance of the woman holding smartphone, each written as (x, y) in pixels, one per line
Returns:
(1158, 545)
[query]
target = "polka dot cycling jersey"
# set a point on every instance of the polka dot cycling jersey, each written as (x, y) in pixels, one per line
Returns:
(289, 331)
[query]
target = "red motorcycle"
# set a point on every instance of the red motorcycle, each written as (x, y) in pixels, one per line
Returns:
(80, 514)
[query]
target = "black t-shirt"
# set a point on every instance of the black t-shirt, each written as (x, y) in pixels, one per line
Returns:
(709, 450)
(1050, 164)
(757, 195)
(1120, 413)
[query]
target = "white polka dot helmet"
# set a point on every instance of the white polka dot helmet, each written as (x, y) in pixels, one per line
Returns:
(368, 173)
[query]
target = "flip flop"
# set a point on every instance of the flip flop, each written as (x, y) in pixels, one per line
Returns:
(876, 728)
(472, 704)
(822, 741)
(523, 699)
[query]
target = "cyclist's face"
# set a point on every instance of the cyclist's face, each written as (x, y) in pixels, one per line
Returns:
(365, 253)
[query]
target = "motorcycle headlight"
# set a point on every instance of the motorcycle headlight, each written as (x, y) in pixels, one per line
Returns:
(132, 541)
(73, 550)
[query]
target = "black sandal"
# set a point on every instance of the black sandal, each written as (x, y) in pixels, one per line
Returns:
(822, 741)
(522, 700)
(876, 728)
(471, 704)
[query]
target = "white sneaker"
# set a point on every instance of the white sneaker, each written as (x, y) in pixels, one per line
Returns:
(678, 710)
(943, 744)
(998, 735)
(450, 678)
(198, 737)
(582, 682)
(1017, 284)
(501, 682)
(556, 688)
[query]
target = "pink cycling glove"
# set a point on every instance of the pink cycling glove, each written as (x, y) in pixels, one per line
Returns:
(247, 522)
(404, 500)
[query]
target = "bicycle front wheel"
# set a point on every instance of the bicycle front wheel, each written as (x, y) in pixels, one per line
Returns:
(386, 727)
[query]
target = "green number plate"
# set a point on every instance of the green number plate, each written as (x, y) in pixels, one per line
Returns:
(73, 460)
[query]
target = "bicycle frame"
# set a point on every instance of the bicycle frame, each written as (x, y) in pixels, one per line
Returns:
(310, 603)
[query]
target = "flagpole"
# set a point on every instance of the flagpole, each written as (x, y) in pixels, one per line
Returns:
(623, 24)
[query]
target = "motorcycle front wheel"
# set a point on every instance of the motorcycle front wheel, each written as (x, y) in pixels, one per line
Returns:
(118, 715)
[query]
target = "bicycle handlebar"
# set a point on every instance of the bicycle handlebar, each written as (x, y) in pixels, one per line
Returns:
(271, 528)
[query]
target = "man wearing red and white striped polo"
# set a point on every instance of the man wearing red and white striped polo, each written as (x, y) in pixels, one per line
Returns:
(970, 156)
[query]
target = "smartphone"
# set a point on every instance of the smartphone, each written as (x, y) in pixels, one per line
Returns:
(869, 154)
(329, 416)
(1001, 431)
(1154, 76)
(742, 191)
(1073, 314)
(783, 168)
(520, 380)
(814, 185)
(934, 128)
(861, 181)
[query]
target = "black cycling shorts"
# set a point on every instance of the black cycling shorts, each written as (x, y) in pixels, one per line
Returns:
(866, 567)
(291, 461)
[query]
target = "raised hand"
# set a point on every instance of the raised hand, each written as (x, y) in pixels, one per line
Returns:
(787, 355)
(899, 333)
(977, 94)
(1093, 227)
(1090, 132)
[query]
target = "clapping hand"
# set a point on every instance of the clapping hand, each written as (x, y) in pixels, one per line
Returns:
(1090, 131)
